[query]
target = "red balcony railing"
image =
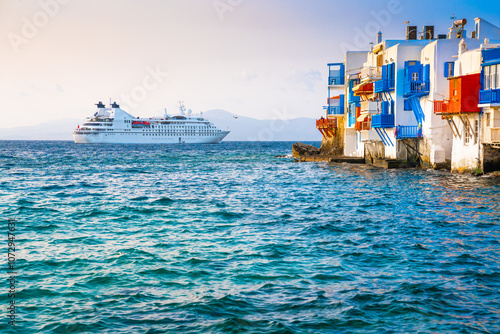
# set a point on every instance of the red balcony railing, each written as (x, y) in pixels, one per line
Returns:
(327, 126)
(441, 106)
(364, 125)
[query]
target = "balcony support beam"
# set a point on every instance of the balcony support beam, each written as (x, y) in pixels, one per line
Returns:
(452, 125)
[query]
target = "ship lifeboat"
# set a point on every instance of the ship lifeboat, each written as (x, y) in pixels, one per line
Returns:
(140, 123)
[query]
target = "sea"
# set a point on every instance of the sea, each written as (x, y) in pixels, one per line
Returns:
(238, 238)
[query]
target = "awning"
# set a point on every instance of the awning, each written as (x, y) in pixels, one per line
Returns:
(362, 117)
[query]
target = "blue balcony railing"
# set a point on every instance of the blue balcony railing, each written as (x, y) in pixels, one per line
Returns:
(383, 121)
(336, 74)
(415, 88)
(384, 85)
(411, 131)
(335, 80)
(334, 110)
(489, 96)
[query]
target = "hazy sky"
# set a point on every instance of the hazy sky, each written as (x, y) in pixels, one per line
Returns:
(257, 58)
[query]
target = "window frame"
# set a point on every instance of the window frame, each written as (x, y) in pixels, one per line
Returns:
(498, 76)
(449, 68)
(466, 133)
(493, 74)
(486, 80)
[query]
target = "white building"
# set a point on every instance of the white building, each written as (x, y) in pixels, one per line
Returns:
(402, 101)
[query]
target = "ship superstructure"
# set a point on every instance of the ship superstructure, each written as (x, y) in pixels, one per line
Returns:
(114, 125)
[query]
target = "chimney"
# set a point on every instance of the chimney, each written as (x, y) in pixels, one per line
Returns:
(411, 32)
(428, 32)
(379, 37)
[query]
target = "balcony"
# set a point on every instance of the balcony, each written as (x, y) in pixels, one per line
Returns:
(327, 126)
(415, 88)
(386, 85)
(336, 74)
(334, 110)
(324, 123)
(495, 135)
(383, 121)
(363, 122)
(369, 74)
(369, 107)
(489, 96)
(492, 136)
(363, 89)
(335, 105)
(441, 106)
(403, 132)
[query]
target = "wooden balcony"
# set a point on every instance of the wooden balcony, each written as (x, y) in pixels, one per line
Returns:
(327, 126)
(363, 122)
(363, 89)
(441, 107)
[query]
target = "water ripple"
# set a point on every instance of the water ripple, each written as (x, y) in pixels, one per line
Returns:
(228, 239)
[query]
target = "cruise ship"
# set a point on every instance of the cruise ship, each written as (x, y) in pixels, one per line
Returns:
(114, 125)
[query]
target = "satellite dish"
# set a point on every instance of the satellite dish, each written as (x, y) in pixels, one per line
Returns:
(190, 111)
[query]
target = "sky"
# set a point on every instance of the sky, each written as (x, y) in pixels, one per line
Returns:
(256, 58)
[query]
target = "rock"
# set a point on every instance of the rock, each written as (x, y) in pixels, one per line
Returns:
(300, 149)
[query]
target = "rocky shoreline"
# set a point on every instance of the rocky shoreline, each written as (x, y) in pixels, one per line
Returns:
(307, 153)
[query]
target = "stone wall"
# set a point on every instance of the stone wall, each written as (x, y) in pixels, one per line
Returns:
(334, 145)
(374, 151)
(490, 158)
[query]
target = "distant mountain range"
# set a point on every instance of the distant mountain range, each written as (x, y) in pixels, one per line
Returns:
(242, 129)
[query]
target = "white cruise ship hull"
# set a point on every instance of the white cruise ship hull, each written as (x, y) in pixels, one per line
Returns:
(115, 126)
(143, 138)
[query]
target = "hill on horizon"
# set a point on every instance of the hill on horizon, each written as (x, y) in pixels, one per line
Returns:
(242, 128)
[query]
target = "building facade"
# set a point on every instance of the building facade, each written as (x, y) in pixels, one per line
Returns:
(431, 101)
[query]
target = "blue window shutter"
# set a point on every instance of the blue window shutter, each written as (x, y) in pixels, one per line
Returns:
(407, 106)
(481, 78)
(426, 74)
(385, 107)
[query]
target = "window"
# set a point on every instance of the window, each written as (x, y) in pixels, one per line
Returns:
(380, 60)
(498, 76)
(476, 130)
(448, 69)
(493, 72)
(486, 80)
(414, 76)
(466, 134)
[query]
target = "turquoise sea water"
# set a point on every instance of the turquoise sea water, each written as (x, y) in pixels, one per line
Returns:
(228, 239)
